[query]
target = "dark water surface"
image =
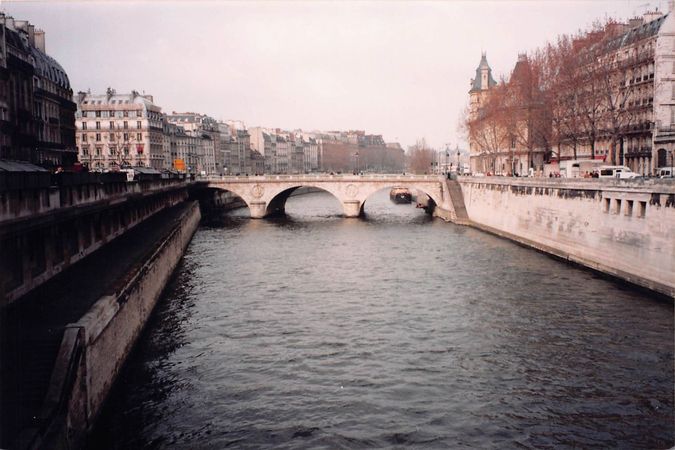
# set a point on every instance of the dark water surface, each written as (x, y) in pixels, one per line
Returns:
(395, 330)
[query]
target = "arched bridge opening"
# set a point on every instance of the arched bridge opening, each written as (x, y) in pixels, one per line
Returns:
(214, 200)
(276, 206)
(421, 197)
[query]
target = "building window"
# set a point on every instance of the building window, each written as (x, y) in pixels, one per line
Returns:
(84, 138)
(126, 136)
(98, 125)
(139, 113)
(112, 113)
(112, 125)
(98, 113)
(98, 151)
(126, 114)
(112, 137)
(139, 137)
(126, 151)
(85, 151)
(138, 125)
(113, 151)
(84, 124)
(98, 137)
(126, 125)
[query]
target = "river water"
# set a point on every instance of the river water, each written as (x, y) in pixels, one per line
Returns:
(394, 330)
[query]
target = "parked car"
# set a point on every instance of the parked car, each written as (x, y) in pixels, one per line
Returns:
(665, 172)
(622, 172)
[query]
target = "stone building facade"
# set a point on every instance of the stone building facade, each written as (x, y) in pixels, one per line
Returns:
(210, 152)
(119, 130)
(37, 114)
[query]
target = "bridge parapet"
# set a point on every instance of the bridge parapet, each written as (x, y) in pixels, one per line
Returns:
(322, 177)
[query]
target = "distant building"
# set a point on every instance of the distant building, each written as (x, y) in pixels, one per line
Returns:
(37, 114)
(119, 130)
(205, 129)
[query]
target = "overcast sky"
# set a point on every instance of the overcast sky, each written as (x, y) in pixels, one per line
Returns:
(400, 69)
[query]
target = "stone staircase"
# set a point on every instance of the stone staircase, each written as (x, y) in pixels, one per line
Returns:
(459, 214)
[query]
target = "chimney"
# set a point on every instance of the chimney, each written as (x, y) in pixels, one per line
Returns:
(40, 40)
(635, 22)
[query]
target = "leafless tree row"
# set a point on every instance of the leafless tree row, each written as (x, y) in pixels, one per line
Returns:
(565, 96)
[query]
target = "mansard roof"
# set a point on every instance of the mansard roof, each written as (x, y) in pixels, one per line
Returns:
(48, 68)
(44, 65)
(636, 34)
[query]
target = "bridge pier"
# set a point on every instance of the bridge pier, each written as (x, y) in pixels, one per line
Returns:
(258, 210)
(352, 208)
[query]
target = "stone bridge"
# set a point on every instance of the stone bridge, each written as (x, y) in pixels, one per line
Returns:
(266, 195)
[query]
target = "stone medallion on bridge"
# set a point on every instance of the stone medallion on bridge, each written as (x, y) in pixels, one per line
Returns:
(257, 191)
(351, 190)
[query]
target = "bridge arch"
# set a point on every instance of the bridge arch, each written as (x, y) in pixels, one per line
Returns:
(212, 198)
(436, 197)
(276, 205)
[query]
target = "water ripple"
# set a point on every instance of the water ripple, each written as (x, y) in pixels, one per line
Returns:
(397, 331)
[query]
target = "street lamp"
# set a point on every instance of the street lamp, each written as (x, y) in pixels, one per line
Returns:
(458, 159)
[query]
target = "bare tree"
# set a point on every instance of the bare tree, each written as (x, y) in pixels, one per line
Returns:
(420, 157)
(487, 128)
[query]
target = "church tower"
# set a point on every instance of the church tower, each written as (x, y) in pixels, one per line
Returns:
(481, 84)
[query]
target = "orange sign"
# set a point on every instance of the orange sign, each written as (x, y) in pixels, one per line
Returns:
(179, 165)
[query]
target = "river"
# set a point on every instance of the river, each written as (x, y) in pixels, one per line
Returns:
(393, 330)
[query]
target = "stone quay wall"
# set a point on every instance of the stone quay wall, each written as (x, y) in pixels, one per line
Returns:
(622, 228)
(95, 348)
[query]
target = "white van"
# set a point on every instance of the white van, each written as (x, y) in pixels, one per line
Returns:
(665, 172)
(622, 172)
(576, 168)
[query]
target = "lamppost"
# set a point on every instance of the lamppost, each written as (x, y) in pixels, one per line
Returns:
(457, 159)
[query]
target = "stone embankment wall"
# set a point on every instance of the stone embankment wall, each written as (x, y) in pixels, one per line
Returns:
(44, 229)
(94, 349)
(622, 228)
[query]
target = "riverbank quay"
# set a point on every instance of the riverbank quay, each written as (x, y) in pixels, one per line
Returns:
(64, 343)
(621, 228)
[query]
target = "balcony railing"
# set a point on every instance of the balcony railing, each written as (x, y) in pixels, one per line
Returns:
(666, 129)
